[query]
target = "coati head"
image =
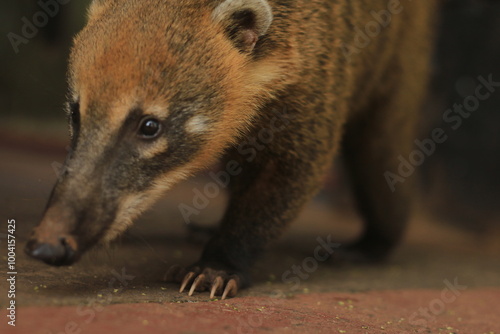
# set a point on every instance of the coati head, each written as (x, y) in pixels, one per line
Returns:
(158, 90)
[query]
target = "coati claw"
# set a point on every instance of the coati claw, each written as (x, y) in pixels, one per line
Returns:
(218, 282)
(217, 287)
(187, 279)
(231, 289)
(198, 282)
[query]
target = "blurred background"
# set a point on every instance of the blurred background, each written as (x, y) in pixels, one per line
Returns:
(460, 182)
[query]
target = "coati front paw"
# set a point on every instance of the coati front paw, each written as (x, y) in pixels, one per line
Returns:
(205, 277)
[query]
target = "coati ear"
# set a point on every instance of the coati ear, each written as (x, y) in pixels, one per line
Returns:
(244, 20)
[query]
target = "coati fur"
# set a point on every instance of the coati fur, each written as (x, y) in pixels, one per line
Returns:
(161, 89)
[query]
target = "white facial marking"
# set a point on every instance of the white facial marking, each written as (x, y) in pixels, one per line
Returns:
(157, 109)
(197, 124)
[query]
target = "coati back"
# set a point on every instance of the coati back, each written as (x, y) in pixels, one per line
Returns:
(160, 89)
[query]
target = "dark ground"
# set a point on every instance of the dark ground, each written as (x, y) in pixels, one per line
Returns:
(334, 298)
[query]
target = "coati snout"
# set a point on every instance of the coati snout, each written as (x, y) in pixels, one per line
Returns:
(161, 89)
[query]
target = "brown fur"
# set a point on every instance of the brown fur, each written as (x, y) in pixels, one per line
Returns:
(162, 56)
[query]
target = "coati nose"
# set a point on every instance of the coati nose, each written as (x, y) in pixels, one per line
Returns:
(56, 254)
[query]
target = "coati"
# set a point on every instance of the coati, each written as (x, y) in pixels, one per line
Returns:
(161, 89)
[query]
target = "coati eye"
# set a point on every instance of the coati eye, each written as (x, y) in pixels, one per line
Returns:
(74, 118)
(74, 113)
(149, 128)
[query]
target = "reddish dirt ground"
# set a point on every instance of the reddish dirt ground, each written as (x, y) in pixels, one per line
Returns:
(401, 312)
(386, 298)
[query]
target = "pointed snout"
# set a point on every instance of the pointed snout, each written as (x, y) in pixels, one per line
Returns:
(52, 241)
(59, 252)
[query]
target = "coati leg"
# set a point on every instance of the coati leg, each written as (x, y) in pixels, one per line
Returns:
(372, 143)
(382, 129)
(275, 181)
